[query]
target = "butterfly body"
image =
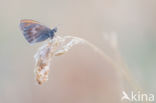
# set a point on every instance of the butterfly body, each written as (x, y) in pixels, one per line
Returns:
(34, 32)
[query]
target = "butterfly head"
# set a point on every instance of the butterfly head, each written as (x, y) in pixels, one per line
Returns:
(55, 29)
(52, 32)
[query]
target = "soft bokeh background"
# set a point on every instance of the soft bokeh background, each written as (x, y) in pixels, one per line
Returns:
(81, 75)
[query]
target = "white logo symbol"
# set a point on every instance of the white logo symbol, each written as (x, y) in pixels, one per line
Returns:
(137, 96)
(125, 96)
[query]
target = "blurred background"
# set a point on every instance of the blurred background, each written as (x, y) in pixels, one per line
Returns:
(125, 30)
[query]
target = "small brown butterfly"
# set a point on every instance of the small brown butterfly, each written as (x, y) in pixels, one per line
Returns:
(34, 32)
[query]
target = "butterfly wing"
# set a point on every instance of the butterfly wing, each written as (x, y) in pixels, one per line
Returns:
(33, 31)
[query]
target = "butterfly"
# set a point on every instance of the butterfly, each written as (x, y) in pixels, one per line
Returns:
(34, 32)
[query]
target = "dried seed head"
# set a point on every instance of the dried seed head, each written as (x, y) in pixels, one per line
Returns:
(55, 47)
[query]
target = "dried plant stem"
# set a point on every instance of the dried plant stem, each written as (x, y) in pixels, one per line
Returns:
(118, 66)
(60, 45)
(121, 68)
(128, 76)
